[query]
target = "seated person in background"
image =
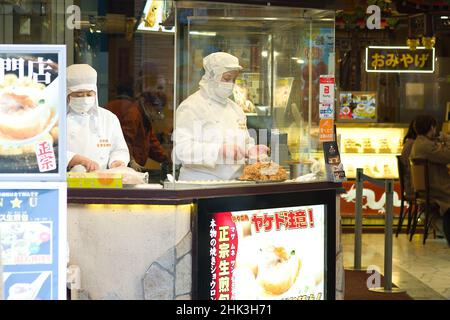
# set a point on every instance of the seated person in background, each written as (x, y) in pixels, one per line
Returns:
(408, 142)
(94, 137)
(438, 155)
(135, 119)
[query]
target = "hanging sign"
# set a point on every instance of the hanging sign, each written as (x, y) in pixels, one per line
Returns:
(399, 59)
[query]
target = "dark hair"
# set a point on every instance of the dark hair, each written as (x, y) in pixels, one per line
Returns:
(424, 123)
(410, 134)
(123, 89)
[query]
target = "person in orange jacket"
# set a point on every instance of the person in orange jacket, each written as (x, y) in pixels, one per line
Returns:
(135, 120)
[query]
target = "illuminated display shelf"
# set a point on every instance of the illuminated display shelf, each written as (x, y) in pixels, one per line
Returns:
(375, 136)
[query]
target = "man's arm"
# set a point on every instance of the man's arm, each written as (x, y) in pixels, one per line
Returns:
(156, 151)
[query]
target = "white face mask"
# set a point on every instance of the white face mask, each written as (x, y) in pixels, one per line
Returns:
(82, 104)
(224, 89)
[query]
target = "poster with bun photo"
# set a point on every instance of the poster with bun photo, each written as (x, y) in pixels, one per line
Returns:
(32, 112)
(268, 254)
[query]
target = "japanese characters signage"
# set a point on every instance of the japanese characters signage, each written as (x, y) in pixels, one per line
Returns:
(275, 253)
(33, 241)
(32, 113)
(399, 59)
(326, 130)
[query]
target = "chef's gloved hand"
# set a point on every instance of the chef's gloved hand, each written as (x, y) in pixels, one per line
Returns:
(259, 152)
(89, 164)
(232, 152)
(136, 166)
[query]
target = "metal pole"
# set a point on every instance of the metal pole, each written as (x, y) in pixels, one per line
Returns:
(358, 218)
(388, 236)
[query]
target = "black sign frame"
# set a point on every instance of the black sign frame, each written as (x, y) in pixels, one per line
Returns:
(207, 207)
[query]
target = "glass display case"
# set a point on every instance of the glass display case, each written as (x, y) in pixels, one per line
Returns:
(283, 51)
(372, 147)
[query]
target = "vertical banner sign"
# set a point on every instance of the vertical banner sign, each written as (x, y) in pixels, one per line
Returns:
(275, 254)
(334, 167)
(326, 130)
(32, 113)
(33, 240)
(326, 97)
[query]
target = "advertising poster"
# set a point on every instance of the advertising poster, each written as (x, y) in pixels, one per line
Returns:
(268, 254)
(333, 164)
(358, 106)
(33, 241)
(32, 112)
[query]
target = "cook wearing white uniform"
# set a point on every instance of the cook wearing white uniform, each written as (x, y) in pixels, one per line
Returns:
(211, 140)
(94, 136)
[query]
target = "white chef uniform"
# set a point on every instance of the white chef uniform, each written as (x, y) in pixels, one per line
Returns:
(206, 121)
(95, 134)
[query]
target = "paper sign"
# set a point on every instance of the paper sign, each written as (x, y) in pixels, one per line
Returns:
(326, 90)
(326, 111)
(326, 130)
(45, 156)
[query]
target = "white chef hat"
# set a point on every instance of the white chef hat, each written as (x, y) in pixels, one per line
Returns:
(81, 77)
(217, 63)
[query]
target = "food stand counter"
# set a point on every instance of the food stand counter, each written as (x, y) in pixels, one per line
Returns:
(158, 244)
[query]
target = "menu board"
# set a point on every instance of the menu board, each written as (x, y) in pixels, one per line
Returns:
(32, 112)
(358, 106)
(33, 241)
(267, 254)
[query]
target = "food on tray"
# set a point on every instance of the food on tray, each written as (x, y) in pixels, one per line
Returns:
(24, 113)
(384, 146)
(350, 146)
(264, 171)
(278, 268)
(367, 146)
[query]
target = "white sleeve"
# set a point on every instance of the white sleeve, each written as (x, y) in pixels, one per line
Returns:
(119, 148)
(193, 146)
(70, 155)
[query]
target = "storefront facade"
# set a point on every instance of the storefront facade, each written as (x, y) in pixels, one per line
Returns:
(305, 92)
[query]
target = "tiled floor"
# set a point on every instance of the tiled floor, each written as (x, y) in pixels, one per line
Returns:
(422, 270)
